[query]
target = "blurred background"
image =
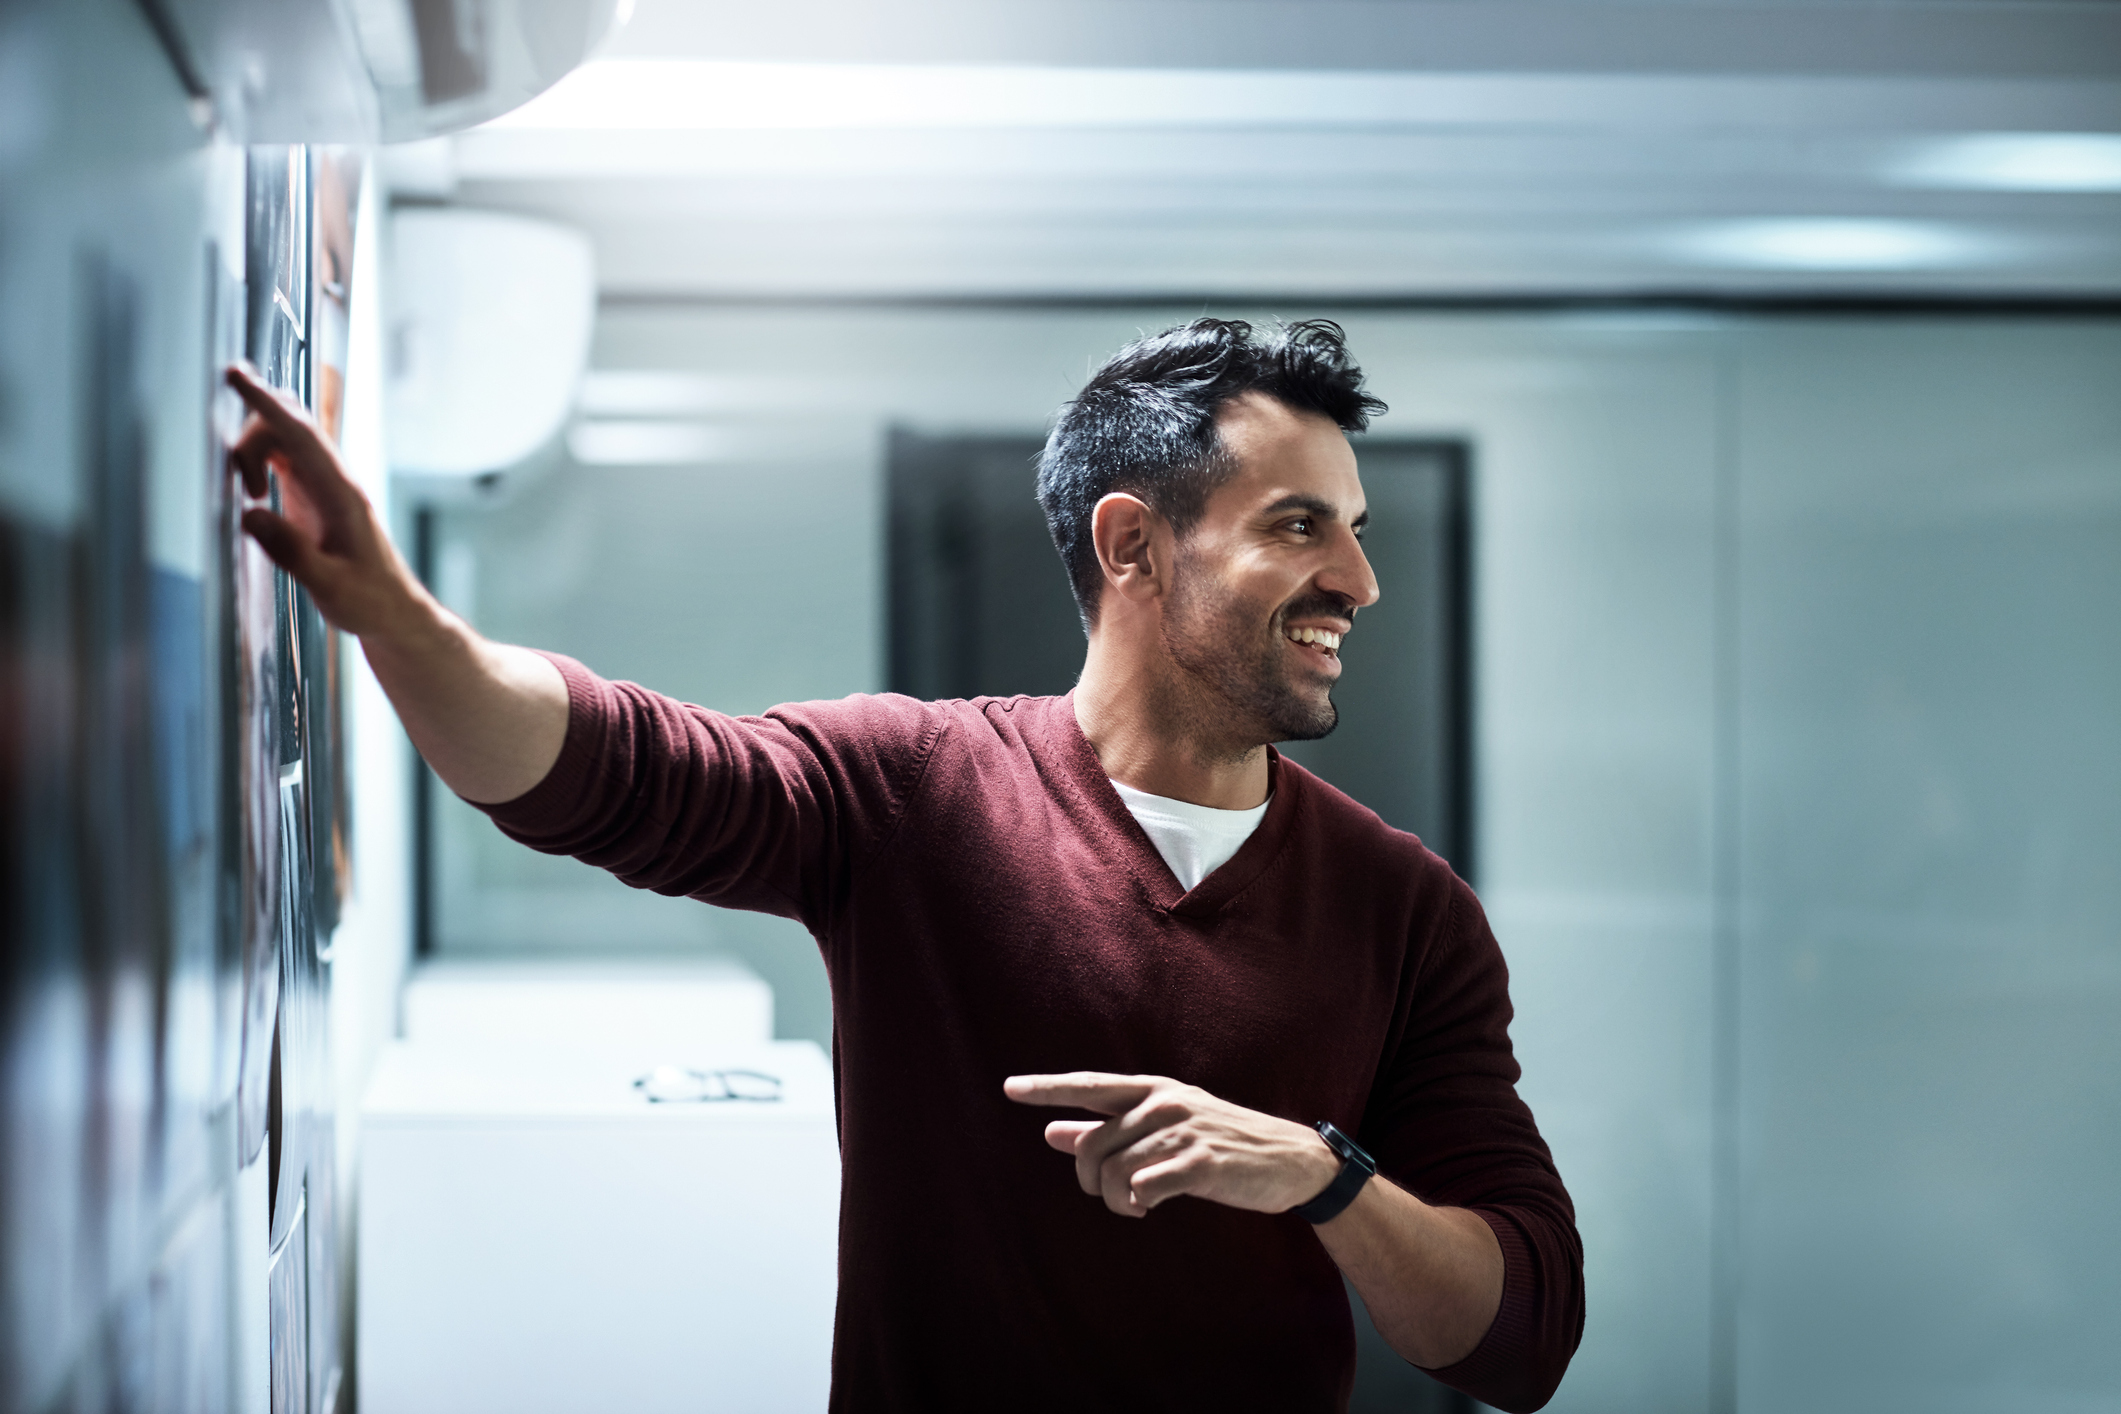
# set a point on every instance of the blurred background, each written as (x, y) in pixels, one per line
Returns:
(1748, 517)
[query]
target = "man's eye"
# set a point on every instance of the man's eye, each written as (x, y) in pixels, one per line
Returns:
(1301, 525)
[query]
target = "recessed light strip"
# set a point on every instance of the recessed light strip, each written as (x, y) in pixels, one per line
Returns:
(648, 442)
(1835, 244)
(2057, 162)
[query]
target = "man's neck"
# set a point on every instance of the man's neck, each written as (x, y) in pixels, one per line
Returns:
(1151, 731)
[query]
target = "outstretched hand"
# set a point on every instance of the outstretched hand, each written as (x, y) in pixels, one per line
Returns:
(326, 533)
(1164, 1139)
(488, 717)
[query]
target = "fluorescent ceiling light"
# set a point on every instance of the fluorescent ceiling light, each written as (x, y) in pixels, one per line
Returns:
(2018, 162)
(693, 95)
(689, 94)
(671, 393)
(1831, 243)
(631, 393)
(644, 442)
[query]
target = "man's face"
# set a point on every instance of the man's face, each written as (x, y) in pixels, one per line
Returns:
(1269, 578)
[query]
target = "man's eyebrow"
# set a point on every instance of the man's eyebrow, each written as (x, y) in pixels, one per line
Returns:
(1314, 505)
(1297, 501)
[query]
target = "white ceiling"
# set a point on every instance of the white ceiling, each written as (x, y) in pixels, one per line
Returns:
(1349, 148)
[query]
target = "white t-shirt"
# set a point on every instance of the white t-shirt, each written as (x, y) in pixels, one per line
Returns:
(1195, 840)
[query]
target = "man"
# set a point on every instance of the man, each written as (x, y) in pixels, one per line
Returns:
(1120, 902)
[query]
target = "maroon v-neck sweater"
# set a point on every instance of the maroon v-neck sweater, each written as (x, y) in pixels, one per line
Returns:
(987, 907)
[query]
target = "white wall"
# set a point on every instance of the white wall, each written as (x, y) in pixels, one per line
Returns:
(373, 946)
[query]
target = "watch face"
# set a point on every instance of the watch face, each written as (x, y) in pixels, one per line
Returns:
(1348, 1149)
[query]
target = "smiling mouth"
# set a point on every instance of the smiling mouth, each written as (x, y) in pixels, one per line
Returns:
(1320, 640)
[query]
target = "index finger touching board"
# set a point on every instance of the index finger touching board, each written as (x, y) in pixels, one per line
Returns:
(288, 421)
(263, 398)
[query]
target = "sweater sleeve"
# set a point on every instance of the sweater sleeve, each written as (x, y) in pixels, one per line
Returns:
(771, 813)
(1445, 1122)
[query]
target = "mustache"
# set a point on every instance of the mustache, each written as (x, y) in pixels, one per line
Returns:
(1323, 604)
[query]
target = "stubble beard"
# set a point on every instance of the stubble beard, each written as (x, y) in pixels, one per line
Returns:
(1244, 692)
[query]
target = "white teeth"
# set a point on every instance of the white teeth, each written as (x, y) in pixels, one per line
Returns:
(1323, 638)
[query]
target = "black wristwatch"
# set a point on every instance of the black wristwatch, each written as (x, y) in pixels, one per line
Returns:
(1356, 1167)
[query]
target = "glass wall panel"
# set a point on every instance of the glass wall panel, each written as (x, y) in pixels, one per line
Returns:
(1930, 868)
(1595, 458)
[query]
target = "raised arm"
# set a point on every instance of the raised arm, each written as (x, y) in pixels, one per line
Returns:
(488, 717)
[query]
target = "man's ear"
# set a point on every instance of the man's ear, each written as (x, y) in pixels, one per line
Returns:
(1133, 546)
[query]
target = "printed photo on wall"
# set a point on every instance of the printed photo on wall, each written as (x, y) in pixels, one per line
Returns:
(257, 777)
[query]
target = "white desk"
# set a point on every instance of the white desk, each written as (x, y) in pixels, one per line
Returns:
(536, 1237)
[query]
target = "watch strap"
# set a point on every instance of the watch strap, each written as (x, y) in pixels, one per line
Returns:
(1356, 1169)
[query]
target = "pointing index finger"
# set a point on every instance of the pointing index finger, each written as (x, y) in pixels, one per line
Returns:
(286, 428)
(1094, 1090)
(262, 398)
(286, 422)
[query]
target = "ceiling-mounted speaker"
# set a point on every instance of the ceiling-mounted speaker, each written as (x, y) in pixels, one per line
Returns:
(490, 317)
(366, 71)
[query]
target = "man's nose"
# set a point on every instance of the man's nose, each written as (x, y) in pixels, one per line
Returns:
(1349, 575)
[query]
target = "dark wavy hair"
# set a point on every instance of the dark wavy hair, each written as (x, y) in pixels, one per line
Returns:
(1145, 424)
